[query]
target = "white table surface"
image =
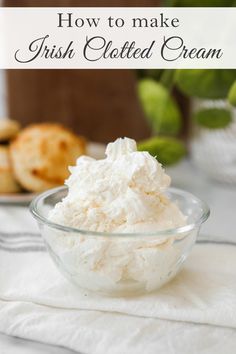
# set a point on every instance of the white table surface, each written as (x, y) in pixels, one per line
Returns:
(221, 225)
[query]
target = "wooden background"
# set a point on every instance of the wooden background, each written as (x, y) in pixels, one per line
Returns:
(100, 104)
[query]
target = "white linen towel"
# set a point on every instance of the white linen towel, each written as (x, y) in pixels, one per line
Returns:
(196, 311)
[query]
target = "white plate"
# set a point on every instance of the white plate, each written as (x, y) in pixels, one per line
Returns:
(17, 198)
(95, 150)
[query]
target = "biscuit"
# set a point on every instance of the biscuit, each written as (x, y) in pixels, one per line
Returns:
(8, 183)
(8, 129)
(41, 154)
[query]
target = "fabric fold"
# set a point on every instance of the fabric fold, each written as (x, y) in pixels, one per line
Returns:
(203, 292)
(38, 303)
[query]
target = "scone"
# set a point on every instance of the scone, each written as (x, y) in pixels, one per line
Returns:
(41, 154)
(8, 183)
(8, 129)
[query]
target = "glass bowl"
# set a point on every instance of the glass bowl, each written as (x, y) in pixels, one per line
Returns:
(119, 264)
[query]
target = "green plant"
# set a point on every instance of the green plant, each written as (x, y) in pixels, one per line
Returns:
(163, 112)
(205, 83)
(164, 117)
(232, 94)
(213, 118)
(155, 88)
(168, 150)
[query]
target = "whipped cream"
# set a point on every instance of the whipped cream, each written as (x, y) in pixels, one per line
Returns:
(123, 193)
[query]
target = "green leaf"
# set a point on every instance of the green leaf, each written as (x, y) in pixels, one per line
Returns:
(167, 150)
(204, 83)
(150, 73)
(160, 108)
(213, 118)
(232, 94)
(167, 78)
(167, 3)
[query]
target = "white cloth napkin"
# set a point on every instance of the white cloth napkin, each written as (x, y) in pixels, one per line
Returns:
(196, 312)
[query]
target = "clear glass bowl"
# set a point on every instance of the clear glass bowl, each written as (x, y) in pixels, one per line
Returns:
(119, 264)
(214, 150)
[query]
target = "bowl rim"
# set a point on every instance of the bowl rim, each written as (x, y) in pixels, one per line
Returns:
(168, 232)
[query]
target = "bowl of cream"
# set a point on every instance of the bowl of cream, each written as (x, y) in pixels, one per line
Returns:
(116, 227)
